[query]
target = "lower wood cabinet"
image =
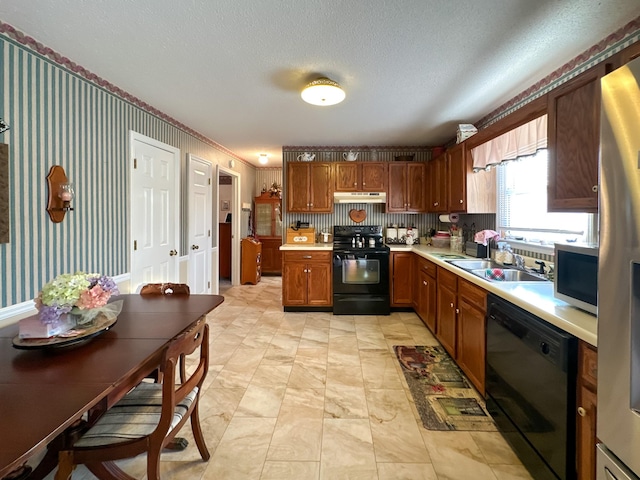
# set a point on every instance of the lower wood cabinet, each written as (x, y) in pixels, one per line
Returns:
(401, 278)
(447, 314)
(586, 411)
(472, 345)
(251, 261)
(461, 324)
(425, 292)
(306, 279)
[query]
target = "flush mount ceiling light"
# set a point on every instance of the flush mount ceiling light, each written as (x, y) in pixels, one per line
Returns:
(323, 92)
(263, 158)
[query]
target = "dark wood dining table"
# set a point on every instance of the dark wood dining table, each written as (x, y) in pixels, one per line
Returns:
(44, 392)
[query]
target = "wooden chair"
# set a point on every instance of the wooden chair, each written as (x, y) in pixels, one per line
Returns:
(147, 418)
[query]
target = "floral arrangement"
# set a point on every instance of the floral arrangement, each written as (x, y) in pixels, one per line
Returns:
(74, 293)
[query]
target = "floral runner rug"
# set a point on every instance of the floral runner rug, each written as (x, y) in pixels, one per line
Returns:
(445, 399)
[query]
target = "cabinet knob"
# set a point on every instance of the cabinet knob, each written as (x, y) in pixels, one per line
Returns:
(451, 305)
(594, 189)
(355, 184)
(364, 184)
(435, 204)
(457, 311)
(424, 282)
(461, 201)
(582, 412)
(311, 205)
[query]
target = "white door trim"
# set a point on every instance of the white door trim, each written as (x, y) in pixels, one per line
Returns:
(235, 221)
(138, 137)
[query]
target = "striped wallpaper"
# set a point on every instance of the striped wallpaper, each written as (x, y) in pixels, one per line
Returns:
(59, 118)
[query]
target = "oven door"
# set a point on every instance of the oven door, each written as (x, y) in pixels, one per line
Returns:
(361, 272)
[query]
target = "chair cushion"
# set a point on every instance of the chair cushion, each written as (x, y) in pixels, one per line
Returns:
(134, 416)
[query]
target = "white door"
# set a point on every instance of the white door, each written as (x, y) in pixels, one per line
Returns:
(200, 225)
(155, 214)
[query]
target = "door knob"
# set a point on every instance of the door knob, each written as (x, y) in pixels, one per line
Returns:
(173, 253)
(195, 247)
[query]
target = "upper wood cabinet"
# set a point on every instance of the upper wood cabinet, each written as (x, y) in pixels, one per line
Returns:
(455, 187)
(309, 187)
(360, 176)
(407, 191)
(438, 185)
(573, 143)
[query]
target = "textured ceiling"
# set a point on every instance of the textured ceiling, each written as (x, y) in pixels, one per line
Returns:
(233, 69)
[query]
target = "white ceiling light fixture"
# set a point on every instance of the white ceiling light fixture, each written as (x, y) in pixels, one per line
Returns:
(263, 158)
(323, 92)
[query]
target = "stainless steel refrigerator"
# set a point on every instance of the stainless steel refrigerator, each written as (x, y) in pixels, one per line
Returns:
(618, 424)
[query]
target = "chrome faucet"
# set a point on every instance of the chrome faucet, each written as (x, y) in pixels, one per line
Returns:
(519, 261)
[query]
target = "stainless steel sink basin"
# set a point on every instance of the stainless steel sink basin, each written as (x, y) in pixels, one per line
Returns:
(510, 275)
(473, 264)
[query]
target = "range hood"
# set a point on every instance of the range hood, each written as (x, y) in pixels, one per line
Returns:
(360, 197)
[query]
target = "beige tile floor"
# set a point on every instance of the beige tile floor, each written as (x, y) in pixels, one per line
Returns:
(305, 396)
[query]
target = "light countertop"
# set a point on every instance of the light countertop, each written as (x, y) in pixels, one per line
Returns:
(535, 297)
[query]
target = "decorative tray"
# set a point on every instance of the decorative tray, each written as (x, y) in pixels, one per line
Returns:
(73, 337)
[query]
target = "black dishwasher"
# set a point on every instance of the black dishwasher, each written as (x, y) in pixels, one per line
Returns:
(530, 388)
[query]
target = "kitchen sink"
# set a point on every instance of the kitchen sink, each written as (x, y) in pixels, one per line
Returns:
(510, 275)
(474, 264)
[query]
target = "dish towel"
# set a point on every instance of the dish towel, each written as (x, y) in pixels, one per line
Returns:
(483, 236)
(494, 274)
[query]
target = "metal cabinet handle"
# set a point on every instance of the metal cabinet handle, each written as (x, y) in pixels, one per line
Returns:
(195, 247)
(306, 256)
(173, 253)
(582, 412)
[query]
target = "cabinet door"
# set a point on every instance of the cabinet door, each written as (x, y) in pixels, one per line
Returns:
(396, 196)
(427, 300)
(471, 342)
(417, 189)
(298, 187)
(401, 279)
(573, 143)
(271, 256)
(374, 176)
(457, 179)
(586, 432)
(294, 283)
(264, 219)
(346, 177)
(438, 185)
(446, 326)
(321, 198)
(319, 284)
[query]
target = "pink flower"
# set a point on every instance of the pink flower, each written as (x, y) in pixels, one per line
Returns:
(93, 298)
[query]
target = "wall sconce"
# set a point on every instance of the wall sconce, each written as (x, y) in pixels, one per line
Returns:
(60, 194)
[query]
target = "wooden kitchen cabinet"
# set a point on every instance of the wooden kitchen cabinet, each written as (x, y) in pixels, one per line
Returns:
(472, 346)
(306, 279)
(447, 314)
(309, 187)
(268, 229)
(401, 280)
(425, 292)
(573, 143)
(586, 411)
(468, 191)
(407, 190)
(438, 185)
(360, 176)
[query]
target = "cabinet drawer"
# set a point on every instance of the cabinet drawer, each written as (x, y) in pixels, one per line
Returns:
(307, 256)
(474, 295)
(428, 267)
(447, 279)
(588, 364)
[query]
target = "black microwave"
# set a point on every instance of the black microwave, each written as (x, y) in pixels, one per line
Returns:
(576, 275)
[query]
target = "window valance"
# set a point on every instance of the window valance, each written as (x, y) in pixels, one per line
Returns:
(522, 141)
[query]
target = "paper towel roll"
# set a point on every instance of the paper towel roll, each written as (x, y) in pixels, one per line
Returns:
(450, 218)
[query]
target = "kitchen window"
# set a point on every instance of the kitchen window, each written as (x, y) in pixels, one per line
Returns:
(522, 206)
